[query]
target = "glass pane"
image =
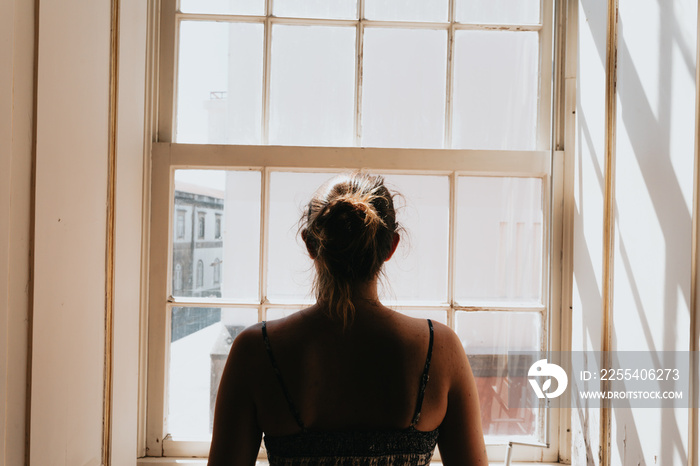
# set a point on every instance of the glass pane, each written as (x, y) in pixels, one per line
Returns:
(312, 88)
(406, 10)
(498, 11)
(216, 234)
(403, 95)
(327, 9)
(200, 342)
(418, 270)
(290, 269)
(224, 7)
(487, 338)
(499, 241)
(495, 90)
(219, 95)
(435, 316)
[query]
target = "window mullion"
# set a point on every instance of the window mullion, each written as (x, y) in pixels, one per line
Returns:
(448, 87)
(452, 253)
(449, 75)
(264, 214)
(267, 60)
(544, 120)
(167, 71)
(359, 41)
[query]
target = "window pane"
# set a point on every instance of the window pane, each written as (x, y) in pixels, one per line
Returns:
(312, 85)
(224, 7)
(499, 241)
(495, 90)
(403, 96)
(200, 342)
(406, 10)
(418, 270)
(498, 11)
(207, 265)
(290, 269)
(487, 338)
(327, 9)
(219, 96)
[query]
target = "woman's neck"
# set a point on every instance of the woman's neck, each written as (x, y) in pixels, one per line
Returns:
(366, 292)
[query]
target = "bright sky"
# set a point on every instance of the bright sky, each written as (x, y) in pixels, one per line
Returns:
(215, 179)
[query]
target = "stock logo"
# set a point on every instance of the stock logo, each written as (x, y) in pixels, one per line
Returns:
(542, 368)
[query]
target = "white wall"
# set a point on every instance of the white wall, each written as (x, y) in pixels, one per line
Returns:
(16, 133)
(655, 135)
(589, 170)
(653, 195)
(68, 229)
(130, 195)
(71, 207)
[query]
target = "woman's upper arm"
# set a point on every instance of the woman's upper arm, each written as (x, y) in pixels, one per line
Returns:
(461, 440)
(236, 435)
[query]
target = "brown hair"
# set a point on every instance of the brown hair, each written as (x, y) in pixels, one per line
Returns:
(349, 230)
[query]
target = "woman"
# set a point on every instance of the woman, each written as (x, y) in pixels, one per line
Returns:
(348, 381)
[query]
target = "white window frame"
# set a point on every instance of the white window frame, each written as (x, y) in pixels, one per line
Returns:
(168, 156)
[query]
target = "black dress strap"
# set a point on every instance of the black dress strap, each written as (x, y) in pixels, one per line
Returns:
(424, 378)
(292, 408)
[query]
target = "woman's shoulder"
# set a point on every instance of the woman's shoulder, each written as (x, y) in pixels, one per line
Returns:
(448, 355)
(248, 346)
(253, 337)
(447, 338)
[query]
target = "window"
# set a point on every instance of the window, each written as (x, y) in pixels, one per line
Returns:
(177, 278)
(180, 225)
(201, 224)
(449, 100)
(217, 271)
(200, 274)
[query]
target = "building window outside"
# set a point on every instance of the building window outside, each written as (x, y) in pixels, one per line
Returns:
(201, 225)
(217, 228)
(177, 278)
(180, 225)
(200, 274)
(217, 271)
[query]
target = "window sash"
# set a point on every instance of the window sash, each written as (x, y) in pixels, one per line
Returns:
(171, 19)
(168, 157)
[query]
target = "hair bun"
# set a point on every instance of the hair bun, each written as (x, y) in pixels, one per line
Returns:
(349, 229)
(361, 205)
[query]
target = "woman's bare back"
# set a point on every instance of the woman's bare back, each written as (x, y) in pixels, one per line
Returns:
(366, 376)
